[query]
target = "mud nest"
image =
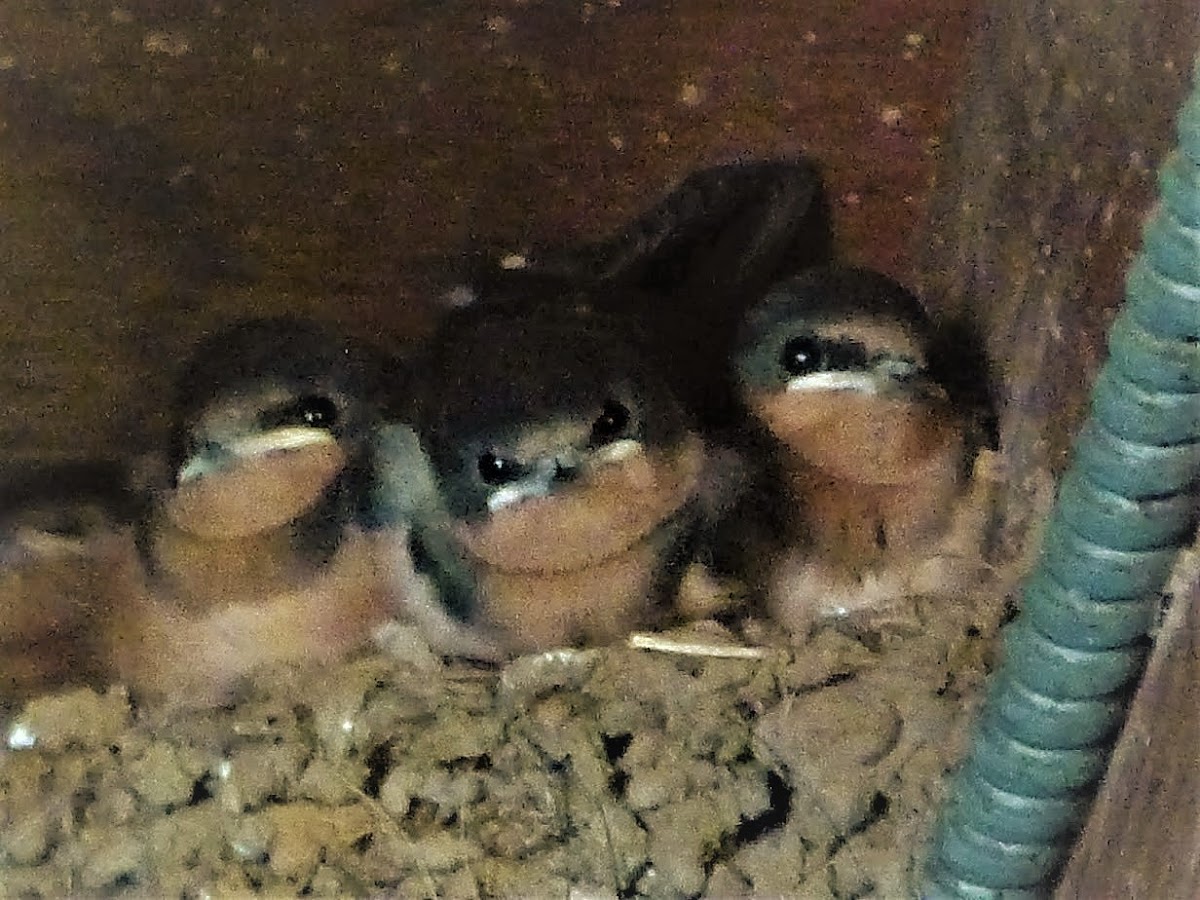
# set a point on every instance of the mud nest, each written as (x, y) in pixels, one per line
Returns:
(615, 772)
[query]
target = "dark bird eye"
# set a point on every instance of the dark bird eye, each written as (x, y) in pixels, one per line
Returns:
(808, 353)
(611, 424)
(313, 411)
(496, 470)
(802, 355)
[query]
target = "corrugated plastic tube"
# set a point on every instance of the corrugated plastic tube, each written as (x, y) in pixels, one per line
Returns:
(1125, 507)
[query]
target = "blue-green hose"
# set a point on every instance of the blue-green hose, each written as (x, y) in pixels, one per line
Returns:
(1124, 509)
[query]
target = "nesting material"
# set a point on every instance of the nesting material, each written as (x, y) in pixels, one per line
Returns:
(678, 770)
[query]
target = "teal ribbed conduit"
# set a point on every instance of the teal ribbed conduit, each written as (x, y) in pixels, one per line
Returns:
(1124, 509)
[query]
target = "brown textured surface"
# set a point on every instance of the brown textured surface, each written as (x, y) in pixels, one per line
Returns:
(610, 773)
(1047, 175)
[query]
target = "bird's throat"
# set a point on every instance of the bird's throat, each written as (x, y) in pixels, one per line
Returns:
(256, 496)
(866, 524)
(862, 438)
(585, 524)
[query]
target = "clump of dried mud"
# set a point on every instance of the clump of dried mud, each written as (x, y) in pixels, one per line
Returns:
(603, 773)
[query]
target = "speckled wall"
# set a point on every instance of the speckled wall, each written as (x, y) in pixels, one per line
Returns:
(167, 166)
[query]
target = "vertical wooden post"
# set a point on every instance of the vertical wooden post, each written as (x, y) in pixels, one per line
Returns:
(1046, 177)
(1143, 837)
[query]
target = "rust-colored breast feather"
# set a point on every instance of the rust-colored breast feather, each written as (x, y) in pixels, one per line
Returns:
(583, 564)
(595, 604)
(872, 479)
(257, 495)
(230, 591)
(873, 485)
(181, 640)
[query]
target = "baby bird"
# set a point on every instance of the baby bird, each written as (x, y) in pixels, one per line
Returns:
(568, 472)
(61, 525)
(875, 418)
(255, 553)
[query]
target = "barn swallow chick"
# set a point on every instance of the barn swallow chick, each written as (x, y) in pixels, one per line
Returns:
(568, 472)
(875, 417)
(253, 554)
(61, 526)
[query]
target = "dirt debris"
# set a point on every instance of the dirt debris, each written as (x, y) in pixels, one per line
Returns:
(603, 773)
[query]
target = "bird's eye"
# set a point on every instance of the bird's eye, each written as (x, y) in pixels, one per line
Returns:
(802, 355)
(496, 470)
(807, 353)
(314, 411)
(611, 424)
